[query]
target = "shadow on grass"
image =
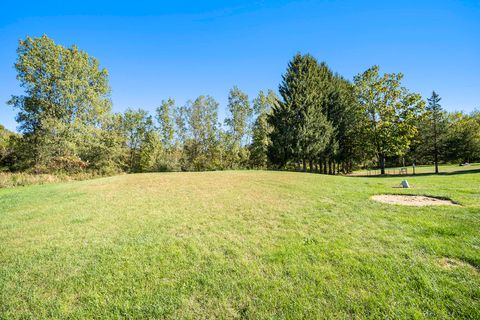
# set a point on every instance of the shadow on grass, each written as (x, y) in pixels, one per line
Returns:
(422, 174)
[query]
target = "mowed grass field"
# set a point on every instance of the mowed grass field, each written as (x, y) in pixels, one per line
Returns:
(239, 244)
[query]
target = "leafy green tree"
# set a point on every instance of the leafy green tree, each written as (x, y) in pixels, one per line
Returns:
(463, 137)
(262, 106)
(165, 120)
(166, 117)
(201, 146)
(139, 133)
(111, 152)
(4, 142)
(7, 149)
(107, 152)
(66, 94)
(181, 124)
(240, 112)
(238, 126)
(391, 112)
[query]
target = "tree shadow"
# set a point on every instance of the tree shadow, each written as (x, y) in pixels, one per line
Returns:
(422, 174)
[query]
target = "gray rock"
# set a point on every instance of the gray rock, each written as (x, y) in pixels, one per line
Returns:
(405, 184)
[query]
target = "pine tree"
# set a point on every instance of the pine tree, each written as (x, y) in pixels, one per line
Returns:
(301, 131)
(434, 111)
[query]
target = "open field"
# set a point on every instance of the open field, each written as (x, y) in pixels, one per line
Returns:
(239, 244)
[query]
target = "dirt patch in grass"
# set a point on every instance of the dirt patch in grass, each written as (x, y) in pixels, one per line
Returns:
(450, 263)
(410, 200)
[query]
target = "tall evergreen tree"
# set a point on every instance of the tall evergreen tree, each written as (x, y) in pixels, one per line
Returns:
(434, 112)
(344, 114)
(301, 131)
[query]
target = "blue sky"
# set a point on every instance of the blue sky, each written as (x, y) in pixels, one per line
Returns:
(181, 49)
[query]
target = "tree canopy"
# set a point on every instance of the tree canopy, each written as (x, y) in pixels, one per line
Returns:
(319, 122)
(390, 110)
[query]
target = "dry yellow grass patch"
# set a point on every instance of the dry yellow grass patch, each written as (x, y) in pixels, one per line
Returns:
(410, 200)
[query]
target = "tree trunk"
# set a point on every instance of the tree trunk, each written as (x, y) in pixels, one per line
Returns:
(435, 146)
(304, 165)
(330, 167)
(311, 166)
(316, 167)
(382, 165)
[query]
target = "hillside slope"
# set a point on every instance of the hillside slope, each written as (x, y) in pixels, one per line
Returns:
(239, 244)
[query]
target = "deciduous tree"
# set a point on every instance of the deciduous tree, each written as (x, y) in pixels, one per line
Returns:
(390, 112)
(138, 128)
(66, 94)
(262, 106)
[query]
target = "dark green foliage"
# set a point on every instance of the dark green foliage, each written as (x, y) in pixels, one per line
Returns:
(434, 112)
(347, 117)
(432, 130)
(140, 139)
(301, 130)
(462, 142)
(320, 122)
(108, 153)
(317, 120)
(261, 129)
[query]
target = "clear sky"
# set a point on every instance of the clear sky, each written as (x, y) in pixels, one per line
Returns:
(182, 49)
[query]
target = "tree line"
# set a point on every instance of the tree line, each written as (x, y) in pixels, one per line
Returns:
(319, 122)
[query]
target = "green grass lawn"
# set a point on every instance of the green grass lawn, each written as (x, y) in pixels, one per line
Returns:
(244, 244)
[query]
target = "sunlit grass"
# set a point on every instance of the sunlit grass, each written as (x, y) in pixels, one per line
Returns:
(239, 244)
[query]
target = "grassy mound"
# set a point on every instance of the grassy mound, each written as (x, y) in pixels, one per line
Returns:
(246, 244)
